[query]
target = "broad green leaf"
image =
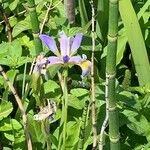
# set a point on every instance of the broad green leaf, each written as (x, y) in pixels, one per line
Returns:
(52, 71)
(50, 86)
(9, 136)
(35, 129)
(136, 122)
(21, 26)
(15, 124)
(73, 129)
(60, 9)
(11, 74)
(7, 148)
(13, 5)
(12, 56)
(73, 31)
(51, 89)
(5, 109)
(15, 49)
(75, 102)
(4, 47)
(13, 21)
(128, 99)
(10, 124)
(79, 92)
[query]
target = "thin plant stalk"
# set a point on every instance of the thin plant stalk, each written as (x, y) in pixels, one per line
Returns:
(65, 108)
(111, 73)
(46, 16)
(6, 20)
(21, 107)
(105, 123)
(93, 80)
(19, 13)
(82, 128)
(35, 26)
(24, 79)
(45, 128)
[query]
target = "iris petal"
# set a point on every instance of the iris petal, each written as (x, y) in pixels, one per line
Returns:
(64, 44)
(86, 68)
(54, 60)
(75, 59)
(49, 42)
(40, 64)
(76, 43)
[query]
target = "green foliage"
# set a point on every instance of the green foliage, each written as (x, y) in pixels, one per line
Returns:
(5, 109)
(132, 74)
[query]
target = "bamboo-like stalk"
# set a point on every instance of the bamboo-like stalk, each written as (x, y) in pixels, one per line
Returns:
(93, 80)
(21, 107)
(70, 10)
(35, 26)
(82, 128)
(110, 74)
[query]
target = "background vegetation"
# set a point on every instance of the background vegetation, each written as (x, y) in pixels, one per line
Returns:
(127, 74)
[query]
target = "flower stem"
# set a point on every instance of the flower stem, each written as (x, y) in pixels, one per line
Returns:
(45, 128)
(83, 125)
(65, 95)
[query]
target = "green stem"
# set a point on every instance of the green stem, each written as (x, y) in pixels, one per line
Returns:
(110, 74)
(65, 94)
(24, 78)
(82, 128)
(35, 26)
(45, 128)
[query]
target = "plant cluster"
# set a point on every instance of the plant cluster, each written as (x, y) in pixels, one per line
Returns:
(74, 74)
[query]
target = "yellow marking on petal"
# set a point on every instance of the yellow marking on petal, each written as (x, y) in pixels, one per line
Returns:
(85, 65)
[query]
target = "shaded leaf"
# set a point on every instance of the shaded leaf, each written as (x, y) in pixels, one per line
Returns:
(5, 109)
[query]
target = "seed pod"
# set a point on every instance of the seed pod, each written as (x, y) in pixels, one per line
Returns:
(70, 10)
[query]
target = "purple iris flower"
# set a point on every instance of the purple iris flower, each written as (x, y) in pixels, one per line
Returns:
(68, 48)
(40, 66)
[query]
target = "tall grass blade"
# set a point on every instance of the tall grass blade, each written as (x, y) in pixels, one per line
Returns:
(135, 40)
(102, 19)
(83, 13)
